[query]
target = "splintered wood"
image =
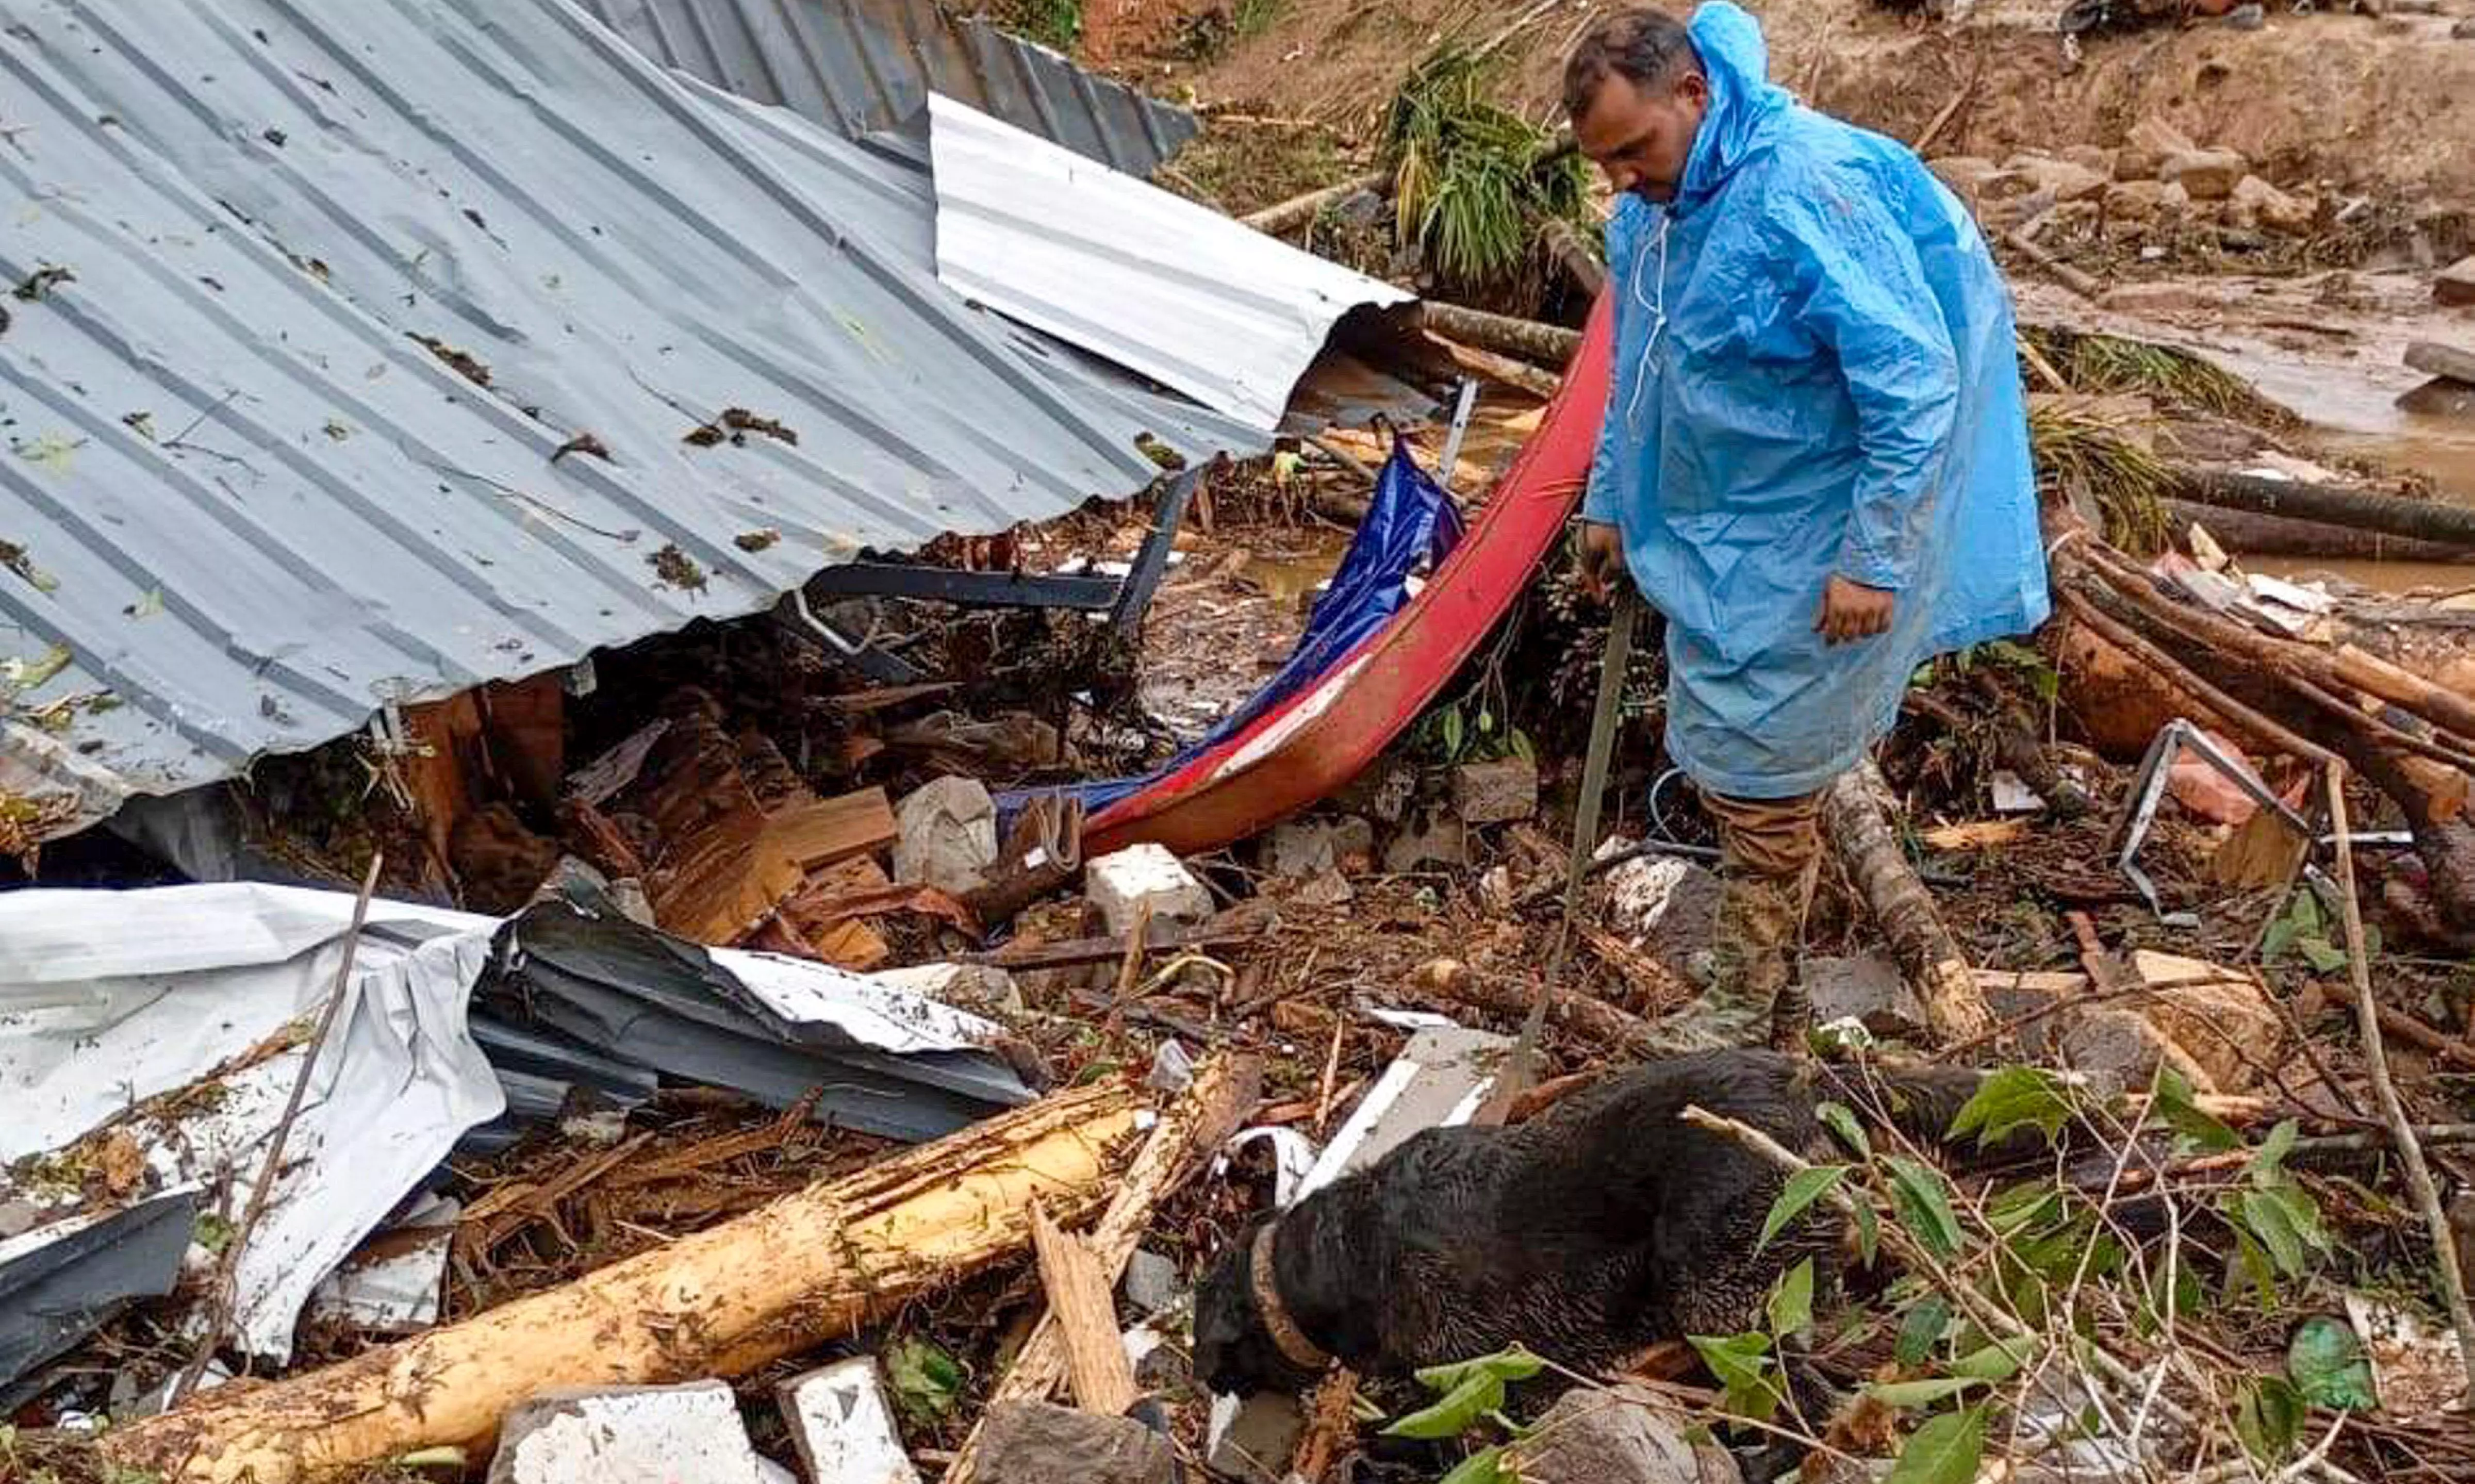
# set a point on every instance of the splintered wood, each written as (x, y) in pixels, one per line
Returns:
(808, 1268)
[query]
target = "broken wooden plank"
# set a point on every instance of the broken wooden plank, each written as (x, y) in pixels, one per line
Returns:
(1086, 1315)
(809, 1267)
(1229, 930)
(828, 832)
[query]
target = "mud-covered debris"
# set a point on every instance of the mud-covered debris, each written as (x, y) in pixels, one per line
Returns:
(582, 443)
(466, 364)
(676, 568)
(1495, 792)
(42, 281)
(734, 425)
(1160, 453)
(1620, 1437)
(751, 542)
(1037, 1443)
(15, 559)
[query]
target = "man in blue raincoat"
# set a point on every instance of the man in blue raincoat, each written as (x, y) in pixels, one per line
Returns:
(1815, 456)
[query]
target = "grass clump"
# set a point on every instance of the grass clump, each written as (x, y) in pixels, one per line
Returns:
(1470, 186)
(2079, 452)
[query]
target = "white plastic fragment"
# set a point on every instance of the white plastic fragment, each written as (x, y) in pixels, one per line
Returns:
(627, 1435)
(842, 1426)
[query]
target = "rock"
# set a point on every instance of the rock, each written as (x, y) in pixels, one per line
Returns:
(981, 988)
(2093, 157)
(1311, 847)
(2174, 203)
(1623, 1437)
(842, 1426)
(1669, 904)
(1868, 990)
(1035, 1443)
(1964, 175)
(1382, 792)
(1496, 792)
(2144, 153)
(2066, 180)
(2209, 175)
(2256, 202)
(627, 1435)
(1435, 836)
(1251, 1441)
(1150, 1281)
(2007, 184)
(948, 834)
(2222, 1017)
(2463, 31)
(2117, 1049)
(1360, 209)
(2446, 361)
(2249, 16)
(2456, 283)
(2138, 201)
(1331, 889)
(1117, 885)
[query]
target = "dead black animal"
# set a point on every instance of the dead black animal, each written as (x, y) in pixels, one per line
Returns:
(1599, 1229)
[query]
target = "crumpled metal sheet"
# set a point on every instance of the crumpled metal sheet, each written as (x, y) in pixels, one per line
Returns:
(58, 1285)
(256, 488)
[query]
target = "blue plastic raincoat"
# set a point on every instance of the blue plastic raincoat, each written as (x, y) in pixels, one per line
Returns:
(1814, 373)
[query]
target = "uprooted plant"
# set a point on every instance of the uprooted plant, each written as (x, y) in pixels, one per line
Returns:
(1473, 181)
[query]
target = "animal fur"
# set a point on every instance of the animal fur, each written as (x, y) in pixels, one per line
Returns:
(1599, 1229)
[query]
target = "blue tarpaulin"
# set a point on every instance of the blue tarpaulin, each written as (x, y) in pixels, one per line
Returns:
(1411, 521)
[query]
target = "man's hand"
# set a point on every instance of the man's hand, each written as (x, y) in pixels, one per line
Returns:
(1601, 558)
(1850, 610)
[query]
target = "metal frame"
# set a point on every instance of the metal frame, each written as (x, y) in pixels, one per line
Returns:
(2148, 790)
(1124, 599)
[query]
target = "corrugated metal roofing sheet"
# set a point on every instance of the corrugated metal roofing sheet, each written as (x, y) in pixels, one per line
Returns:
(1148, 280)
(866, 67)
(246, 488)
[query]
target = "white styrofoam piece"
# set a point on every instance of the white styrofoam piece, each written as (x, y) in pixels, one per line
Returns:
(627, 1435)
(1120, 883)
(842, 1426)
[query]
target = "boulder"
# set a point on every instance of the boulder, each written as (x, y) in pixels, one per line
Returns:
(948, 834)
(2455, 286)
(2222, 1017)
(1868, 990)
(1496, 792)
(2138, 201)
(2093, 157)
(2144, 153)
(1434, 836)
(2067, 180)
(1037, 1443)
(2257, 204)
(2209, 175)
(1625, 1436)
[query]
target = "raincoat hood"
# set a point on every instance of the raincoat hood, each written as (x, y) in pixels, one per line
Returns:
(1744, 102)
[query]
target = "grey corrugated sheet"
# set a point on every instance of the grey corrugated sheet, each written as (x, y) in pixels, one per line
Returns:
(866, 67)
(255, 509)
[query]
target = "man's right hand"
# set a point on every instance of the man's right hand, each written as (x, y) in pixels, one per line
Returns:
(1601, 558)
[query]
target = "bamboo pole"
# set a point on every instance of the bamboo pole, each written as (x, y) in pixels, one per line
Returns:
(1282, 215)
(807, 1268)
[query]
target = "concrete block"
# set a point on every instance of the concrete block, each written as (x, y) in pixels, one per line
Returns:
(1117, 885)
(627, 1435)
(1496, 792)
(842, 1426)
(1629, 1437)
(1867, 990)
(1151, 1281)
(948, 834)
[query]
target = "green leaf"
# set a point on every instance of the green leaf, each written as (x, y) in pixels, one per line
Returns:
(2269, 1159)
(1869, 1234)
(2012, 1098)
(1742, 1363)
(2328, 1366)
(1921, 1393)
(1456, 1411)
(1483, 1467)
(1509, 1364)
(2325, 957)
(2270, 1221)
(1993, 1363)
(1921, 1329)
(1452, 730)
(1803, 1188)
(1791, 1305)
(1946, 1450)
(1521, 746)
(2268, 1416)
(1925, 1207)
(1840, 1121)
(2254, 1264)
(2178, 1108)
(925, 1380)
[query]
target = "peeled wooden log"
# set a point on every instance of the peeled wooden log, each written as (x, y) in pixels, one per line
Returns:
(1569, 1011)
(2251, 533)
(1856, 813)
(1510, 370)
(1280, 216)
(806, 1269)
(2422, 519)
(1545, 345)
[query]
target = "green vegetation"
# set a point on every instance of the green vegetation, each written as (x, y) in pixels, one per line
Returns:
(1470, 184)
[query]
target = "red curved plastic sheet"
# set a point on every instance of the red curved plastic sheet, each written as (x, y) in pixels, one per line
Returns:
(1311, 747)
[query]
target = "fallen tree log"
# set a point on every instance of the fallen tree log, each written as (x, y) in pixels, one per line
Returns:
(2422, 519)
(1282, 215)
(1856, 814)
(803, 1270)
(1573, 1014)
(1510, 370)
(1199, 1122)
(2251, 533)
(1545, 345)
(1581, 261)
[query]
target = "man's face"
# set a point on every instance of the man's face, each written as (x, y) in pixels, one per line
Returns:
(1641, 139)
